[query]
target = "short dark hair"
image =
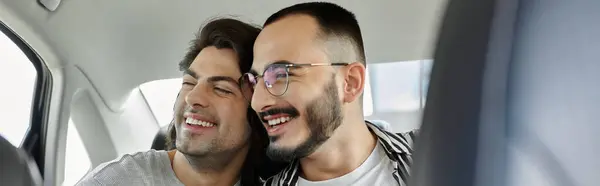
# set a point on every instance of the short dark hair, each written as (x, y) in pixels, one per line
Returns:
(333, 21)
(240, 37)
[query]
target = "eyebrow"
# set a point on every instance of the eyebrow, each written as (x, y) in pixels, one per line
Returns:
(191, 73)
(285, 62)
(212, 79)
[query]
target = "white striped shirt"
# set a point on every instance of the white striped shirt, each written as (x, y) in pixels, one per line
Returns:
(398, 147)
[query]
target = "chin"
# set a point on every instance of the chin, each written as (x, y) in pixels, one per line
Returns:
(278, 142)
(278, 146)
(187, 150)
(188, 146)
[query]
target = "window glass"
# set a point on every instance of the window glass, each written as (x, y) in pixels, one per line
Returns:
(426, 73)
(161, 96)
(396, 86)
(17, 79)
(399, 92)
(77, 160)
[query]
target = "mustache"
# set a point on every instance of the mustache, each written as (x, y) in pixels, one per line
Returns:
(191, 110)
(201, 112)
(293, 112)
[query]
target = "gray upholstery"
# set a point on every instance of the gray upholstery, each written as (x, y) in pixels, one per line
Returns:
(554, 95)
(16, 168)
(514, 96)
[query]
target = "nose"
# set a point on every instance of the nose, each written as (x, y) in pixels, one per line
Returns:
(261, 98)
(197, 97)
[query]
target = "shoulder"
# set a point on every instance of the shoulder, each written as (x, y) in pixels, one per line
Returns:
(286, 175)
(409, 136)
(273, 180)
(384, 129)
(124, 167)
(145, 159)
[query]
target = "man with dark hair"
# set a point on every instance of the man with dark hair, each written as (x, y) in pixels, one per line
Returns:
(306, 84)
(219, 139)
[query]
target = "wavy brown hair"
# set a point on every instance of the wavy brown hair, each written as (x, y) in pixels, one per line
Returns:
(238, 36)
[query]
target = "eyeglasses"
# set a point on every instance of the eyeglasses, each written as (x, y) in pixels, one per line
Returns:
(275, 77)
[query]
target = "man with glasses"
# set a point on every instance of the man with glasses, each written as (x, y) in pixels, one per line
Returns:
(306, 84)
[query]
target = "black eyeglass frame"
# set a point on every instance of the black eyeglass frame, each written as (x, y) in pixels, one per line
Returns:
(287, 71)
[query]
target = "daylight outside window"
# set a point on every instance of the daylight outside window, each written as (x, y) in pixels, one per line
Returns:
(77, 160)
(17, 77)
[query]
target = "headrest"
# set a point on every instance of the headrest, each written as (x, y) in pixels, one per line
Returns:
(16, 168)
(160, 139)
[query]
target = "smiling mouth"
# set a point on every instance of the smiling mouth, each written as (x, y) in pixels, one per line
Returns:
(278, 121)
(273, 121)
(200, 123)
(278, 116)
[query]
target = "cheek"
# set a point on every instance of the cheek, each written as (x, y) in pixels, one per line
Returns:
(234, 115)
(299, 98)
(180, 100)
(305, 89)
(236, 129)
(298, 101)
(179, 106)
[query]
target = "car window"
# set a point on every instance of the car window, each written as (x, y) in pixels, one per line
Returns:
(161, 95)
(77, 160)
(17, 79)
(394, 92)
(399, 90)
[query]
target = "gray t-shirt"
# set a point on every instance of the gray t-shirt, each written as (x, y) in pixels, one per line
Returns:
(376, 170)
(152, 168)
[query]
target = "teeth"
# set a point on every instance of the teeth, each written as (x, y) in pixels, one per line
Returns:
(278, 121)
(193, 121)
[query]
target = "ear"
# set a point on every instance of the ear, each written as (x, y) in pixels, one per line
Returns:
(354, 81)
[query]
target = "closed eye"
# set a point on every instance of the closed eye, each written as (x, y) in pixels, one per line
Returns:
(223, 90)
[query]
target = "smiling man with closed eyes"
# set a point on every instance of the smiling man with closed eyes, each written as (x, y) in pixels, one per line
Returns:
(218, 139)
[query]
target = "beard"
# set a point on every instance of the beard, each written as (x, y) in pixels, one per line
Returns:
(205, 154)
(185, 142)
(323, 117)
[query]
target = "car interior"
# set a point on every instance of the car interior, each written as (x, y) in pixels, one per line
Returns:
(503, 91)
(512, 98)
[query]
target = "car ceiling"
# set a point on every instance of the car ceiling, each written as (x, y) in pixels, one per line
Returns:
(120, 44)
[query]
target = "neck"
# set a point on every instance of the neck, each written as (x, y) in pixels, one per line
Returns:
(349, 146)
(217, 169)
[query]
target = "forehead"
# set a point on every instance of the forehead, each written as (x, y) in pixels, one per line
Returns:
(216, 62)
(292, 38)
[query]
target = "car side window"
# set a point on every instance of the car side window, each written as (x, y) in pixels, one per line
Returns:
(17, 79)
(399, 91)
(77, 160)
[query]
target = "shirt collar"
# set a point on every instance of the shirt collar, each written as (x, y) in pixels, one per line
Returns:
(391, 142)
